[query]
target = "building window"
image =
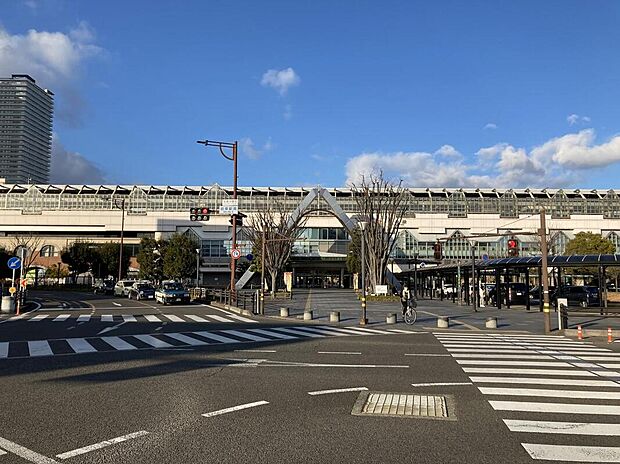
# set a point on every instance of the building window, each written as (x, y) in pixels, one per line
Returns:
(49, 251)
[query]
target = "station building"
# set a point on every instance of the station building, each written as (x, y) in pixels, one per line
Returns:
(62, 214)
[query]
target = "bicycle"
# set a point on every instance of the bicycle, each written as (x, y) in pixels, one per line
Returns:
(410, 314)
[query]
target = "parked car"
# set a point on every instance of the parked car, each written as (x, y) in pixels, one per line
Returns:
(122, 287)
(171, 292)
(535, 295)
(141, 291)
(578, 295)
(514, 293)
(105, 287)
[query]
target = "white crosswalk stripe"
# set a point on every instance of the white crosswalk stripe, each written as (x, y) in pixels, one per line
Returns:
(62, 317)
(186, 318)
(542, 376)
(36, 348)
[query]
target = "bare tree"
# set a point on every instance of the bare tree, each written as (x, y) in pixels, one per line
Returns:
(274, 225)
(381, 205)
(31, 244)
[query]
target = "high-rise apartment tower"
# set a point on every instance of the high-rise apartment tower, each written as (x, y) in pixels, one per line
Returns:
(25, 130)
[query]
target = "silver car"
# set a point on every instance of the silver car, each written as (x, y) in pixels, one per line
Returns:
(122, 287)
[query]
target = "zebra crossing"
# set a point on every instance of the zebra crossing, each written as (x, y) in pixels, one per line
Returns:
(138, 318)
(166, 340)
(562, 397)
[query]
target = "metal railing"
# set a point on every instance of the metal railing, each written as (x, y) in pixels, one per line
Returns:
(245, 300)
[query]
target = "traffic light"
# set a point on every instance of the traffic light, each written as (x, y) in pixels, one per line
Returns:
(437, 251)
(240, 217)
(513, 247)
(199, 214)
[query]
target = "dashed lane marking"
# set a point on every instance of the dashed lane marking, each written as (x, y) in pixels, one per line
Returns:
(337, 390)
(25, 453)
(339, 352)
(103, 444)
(440, 384)
(235, 408)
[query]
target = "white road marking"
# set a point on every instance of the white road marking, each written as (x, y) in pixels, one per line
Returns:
(116, 304)
(25, 453)
(298, 332)
(151, 318)
(217, 338)
(173, 318)
(240, 318)
(235, 408)
(565, 428)
(62, 317)
(273, 334)
(562, 408)
(543, 381)
(543, 393)
(39, 348)
(2, 452)
(404, 331)
(154, 342)
(186, 339)
(485, 362)
(440, 384)
(103, 444)
(255, 351)
(109, 329)
(107, 318)
(501, 356)
(118, 343)
(545, 351)
(365, 330)
(247, 336)
(196, 318)
(323, 332)
(338, 390)
(129, 318)
(340, 330)
(4, 349)
(520, 346)
(572, 453)
(80, 345)
(426, 354)
(339, 352)
(38, 318)
(499, 370)
(218, 318)
(84, 318)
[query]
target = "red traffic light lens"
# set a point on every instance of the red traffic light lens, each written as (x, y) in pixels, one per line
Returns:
(512, 244)
(205, 210)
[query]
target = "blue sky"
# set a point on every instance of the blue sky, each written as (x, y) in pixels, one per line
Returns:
(437, 93)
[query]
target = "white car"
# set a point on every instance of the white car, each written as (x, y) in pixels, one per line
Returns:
(122, 287)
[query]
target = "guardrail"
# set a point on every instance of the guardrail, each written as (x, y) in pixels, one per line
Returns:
(566, 311)
(245, 300)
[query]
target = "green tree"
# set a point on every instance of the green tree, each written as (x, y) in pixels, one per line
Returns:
(105, 262)
(180, 257)
(150, 258)
(587, 243)
(79, 256)
(53, 272)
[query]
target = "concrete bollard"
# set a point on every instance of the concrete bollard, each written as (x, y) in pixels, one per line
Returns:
(283, 312)
(334, 316)
(308, 315)
(491, 323)
(443, 322)
(390, 318)
(8, 304)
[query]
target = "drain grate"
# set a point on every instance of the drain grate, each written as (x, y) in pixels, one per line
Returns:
(404, 405)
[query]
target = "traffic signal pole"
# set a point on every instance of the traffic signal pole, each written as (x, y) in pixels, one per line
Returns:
(233, 261)
(545, 272)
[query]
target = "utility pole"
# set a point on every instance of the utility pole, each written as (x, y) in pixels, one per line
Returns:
(120, 253)
(262, 273)
(474, 289)
(545, 273)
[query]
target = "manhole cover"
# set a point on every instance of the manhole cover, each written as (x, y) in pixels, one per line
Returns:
(404, 405)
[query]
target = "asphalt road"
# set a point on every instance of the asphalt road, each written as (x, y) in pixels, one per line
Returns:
(244, 400)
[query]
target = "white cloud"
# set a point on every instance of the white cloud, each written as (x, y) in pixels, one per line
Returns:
(53, 59)
(249, 149)
(490, 126)
(73, 168)
(280, 80)
(559, 162)
(573, 119)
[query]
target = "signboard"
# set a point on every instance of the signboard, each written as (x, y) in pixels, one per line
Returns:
(381, 289)
(14, 263)
(229, 209)
(485, 257)
(12, 290)
(235, 253)
(421, 265)
(249, 257)
(23, 282)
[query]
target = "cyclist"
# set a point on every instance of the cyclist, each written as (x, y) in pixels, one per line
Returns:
(405, 296)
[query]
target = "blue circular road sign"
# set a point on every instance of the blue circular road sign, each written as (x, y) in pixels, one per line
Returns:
(249, 257)
(14, 263)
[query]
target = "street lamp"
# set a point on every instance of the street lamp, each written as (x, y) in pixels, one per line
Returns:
(120, 253)
(197, 266)
(232, 146)
(363, 319)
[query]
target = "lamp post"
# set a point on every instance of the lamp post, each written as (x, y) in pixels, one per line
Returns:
(363, 319)
(120, 253)
(232, 146)
(197, 266)
(545, 272)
